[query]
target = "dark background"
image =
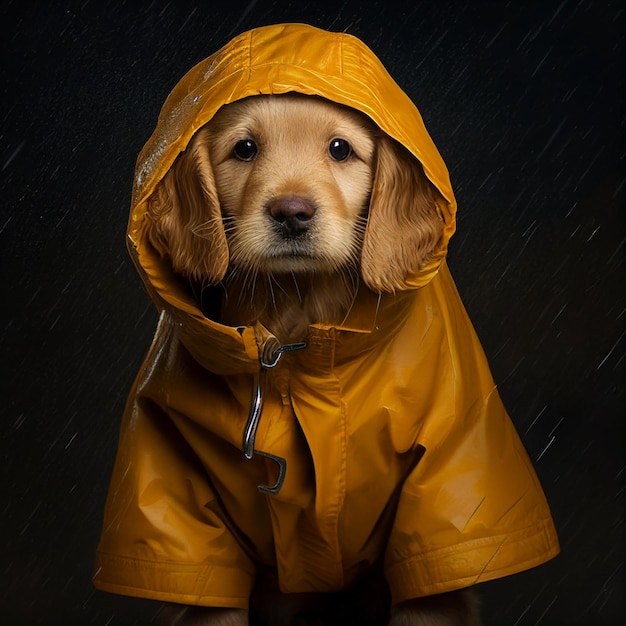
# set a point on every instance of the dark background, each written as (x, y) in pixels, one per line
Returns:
(525, 102)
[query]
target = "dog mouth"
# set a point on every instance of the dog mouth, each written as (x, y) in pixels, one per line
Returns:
(302, 246)
(292, 253)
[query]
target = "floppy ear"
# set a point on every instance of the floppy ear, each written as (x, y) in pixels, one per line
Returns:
(187, 219)
(405, 222)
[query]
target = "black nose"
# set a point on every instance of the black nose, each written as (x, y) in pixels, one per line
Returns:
(292, 213)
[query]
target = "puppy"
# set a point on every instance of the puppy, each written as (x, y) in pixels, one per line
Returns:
(286, 204)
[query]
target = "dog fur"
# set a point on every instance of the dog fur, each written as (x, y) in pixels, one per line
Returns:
(286, 203)
(372, 217)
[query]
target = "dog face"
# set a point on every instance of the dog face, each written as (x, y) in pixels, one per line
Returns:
(293, 177)
(295, 185)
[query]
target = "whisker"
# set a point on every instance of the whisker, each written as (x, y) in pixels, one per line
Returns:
(206, 228)
(295, 283)
(351, 280)
(252, 276)
(270, 281)
(380, 295)
(229, 225)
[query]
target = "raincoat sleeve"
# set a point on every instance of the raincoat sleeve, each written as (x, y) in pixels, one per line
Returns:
(472, 509)
(165, 534)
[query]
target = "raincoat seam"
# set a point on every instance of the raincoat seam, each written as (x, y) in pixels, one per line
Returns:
(294, 69)
(208, 600)
(341, 53)
(503, 538)
(202, 572)
(344, 467)
(163, 564)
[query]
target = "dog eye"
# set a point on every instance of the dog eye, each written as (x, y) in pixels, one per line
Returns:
(245, 150)
(339, 149)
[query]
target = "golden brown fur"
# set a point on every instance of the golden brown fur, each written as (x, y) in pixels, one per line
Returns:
(375, 216)
(288, 234)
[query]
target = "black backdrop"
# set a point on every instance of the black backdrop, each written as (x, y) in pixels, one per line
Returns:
(524, 100)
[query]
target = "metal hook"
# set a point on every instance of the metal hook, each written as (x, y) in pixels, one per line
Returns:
(249, 433)
(275, 356)
(256, 407)
(282, 471)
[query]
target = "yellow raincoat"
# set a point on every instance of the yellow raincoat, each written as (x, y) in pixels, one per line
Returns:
(395, 446)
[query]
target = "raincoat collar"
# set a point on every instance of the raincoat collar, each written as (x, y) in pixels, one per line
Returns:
(225, 350)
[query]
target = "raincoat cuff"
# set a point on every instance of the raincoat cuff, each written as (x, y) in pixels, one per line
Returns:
(472, 562)
(193, 584)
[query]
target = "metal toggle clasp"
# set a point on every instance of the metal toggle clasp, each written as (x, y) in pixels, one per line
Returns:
(256, 407)
(275, 356)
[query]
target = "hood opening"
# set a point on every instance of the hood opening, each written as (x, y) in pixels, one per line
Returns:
(273, 60)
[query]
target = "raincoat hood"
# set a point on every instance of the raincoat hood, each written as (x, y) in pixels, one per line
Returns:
(278, 60)
(382, 443)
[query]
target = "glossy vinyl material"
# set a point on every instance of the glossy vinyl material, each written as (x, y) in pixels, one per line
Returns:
(397, 447)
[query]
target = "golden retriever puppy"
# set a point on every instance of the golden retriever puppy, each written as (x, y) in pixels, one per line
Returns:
(272, 199)
(287, 203)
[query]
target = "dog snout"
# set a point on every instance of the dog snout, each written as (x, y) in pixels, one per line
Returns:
(292, 213)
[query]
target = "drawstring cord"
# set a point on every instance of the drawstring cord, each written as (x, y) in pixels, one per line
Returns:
(256, 407)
